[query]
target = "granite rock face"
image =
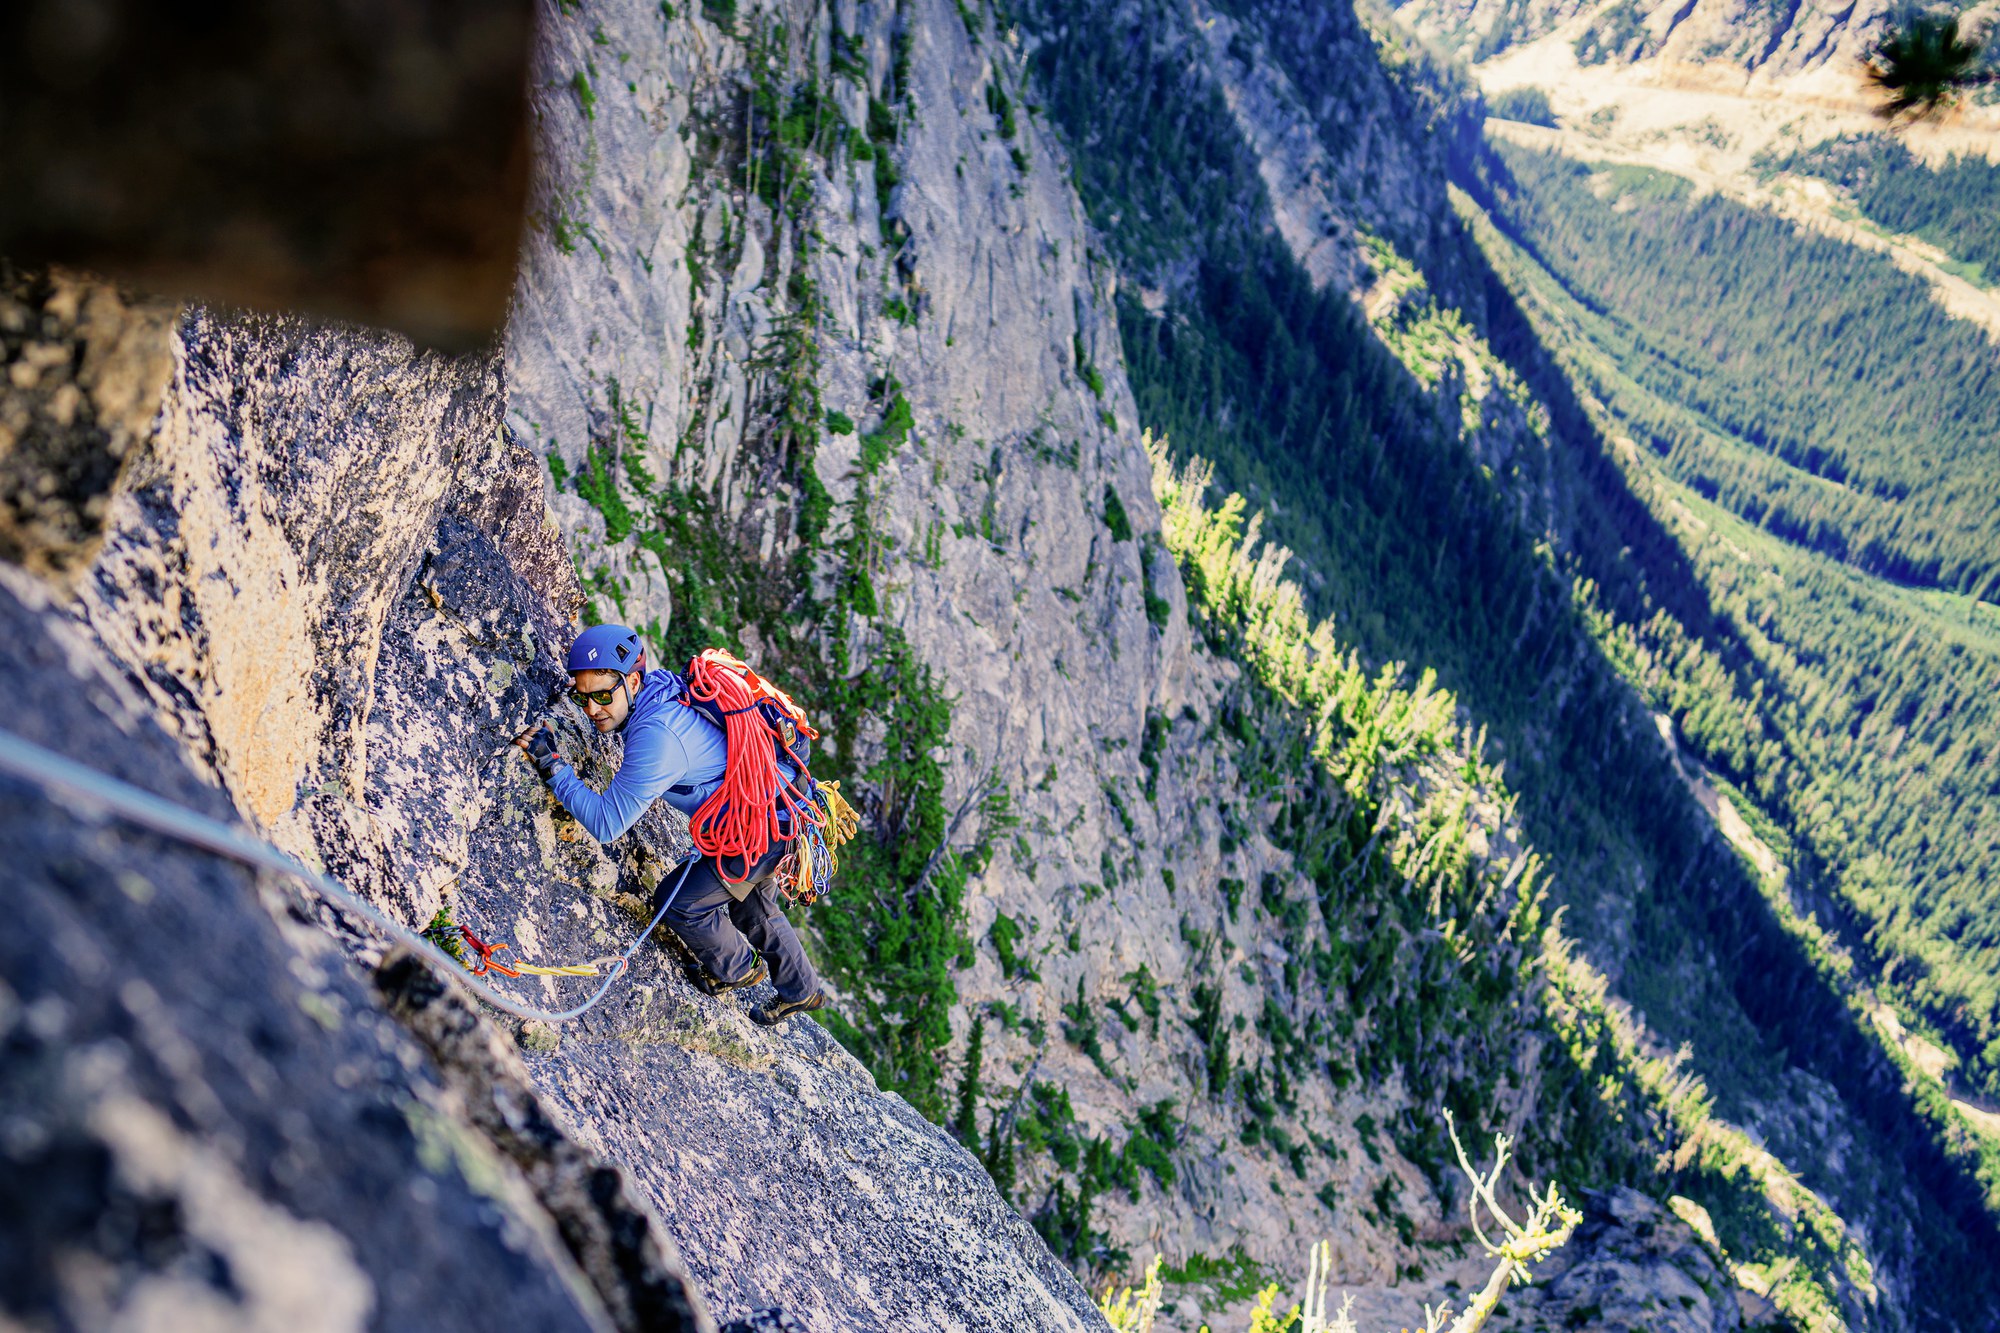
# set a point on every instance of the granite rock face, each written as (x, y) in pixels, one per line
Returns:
(208, 1121)
(352, 666)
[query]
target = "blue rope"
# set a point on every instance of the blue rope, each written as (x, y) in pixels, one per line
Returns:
(54, 773)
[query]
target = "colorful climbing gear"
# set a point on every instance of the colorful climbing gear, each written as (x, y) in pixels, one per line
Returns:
(806, 871)
(755, 805)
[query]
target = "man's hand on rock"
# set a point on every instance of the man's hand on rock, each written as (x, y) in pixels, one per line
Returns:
(540, 743)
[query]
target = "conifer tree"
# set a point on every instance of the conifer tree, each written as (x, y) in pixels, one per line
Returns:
(1925, 64)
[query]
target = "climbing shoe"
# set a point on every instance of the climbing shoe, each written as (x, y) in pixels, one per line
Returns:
(775, 1011)
(709, 984)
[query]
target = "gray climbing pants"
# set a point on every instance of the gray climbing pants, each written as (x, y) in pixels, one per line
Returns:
(722, 929)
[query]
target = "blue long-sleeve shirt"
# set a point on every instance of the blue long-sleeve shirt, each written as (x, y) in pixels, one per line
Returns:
(672, 753)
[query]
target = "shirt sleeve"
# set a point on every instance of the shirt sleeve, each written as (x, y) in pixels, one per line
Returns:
(655, 759)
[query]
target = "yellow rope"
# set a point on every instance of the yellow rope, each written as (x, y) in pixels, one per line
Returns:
(573, 970)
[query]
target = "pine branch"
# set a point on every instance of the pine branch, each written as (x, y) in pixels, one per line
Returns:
(1926, 65)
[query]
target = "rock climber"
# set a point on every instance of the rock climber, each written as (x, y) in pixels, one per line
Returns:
(676, 754)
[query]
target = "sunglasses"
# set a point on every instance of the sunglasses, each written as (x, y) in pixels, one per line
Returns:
(602, 698)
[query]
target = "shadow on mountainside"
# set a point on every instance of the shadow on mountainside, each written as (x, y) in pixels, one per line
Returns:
(1235, 358)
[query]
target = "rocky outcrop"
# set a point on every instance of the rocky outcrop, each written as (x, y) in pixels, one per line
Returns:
(1633, 1265)
(209, 1122)
(1733, 41)
(611, 1235)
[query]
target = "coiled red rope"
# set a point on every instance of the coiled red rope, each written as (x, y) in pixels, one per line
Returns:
(741, 818)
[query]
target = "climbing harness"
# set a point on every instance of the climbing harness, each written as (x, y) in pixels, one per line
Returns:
(53, 773)
(755, 805)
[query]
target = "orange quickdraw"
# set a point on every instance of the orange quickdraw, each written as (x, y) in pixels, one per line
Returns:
(487, 962)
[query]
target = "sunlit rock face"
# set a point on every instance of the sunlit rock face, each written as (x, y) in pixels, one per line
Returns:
(334, 577)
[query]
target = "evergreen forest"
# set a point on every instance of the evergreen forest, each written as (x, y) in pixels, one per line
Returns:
(1857, 713)
(1955, 205)
(1820, 651)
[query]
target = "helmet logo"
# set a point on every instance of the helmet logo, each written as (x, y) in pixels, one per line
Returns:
(592, 657)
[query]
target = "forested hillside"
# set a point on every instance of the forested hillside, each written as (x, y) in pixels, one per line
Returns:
(1955, 204)
(1421, 557)
(1860, 713)
(1822, 393)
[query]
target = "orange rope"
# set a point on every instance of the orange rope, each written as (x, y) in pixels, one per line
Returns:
(740, 818)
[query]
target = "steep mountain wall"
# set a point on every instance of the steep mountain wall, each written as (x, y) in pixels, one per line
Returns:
(329, 572)
(354, 670)
(210, 1122)
(1083, 753)
(815, 354)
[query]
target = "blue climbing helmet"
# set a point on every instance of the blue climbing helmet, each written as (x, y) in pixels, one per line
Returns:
(607, 648)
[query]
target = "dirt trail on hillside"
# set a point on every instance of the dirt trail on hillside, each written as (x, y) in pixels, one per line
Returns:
(1710, 125)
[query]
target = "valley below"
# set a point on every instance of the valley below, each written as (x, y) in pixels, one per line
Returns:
(1366, 571)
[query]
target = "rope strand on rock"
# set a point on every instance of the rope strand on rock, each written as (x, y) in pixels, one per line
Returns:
(52, 772)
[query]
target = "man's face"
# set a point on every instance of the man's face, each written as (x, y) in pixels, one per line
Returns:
(611, 716)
